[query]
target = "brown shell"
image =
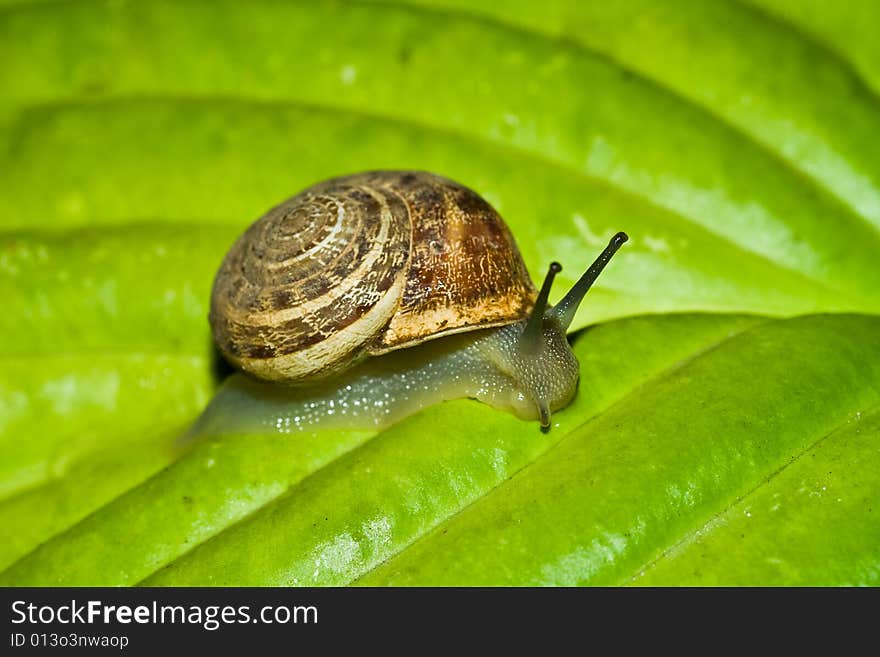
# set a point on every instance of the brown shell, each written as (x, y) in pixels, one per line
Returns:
(362, 265)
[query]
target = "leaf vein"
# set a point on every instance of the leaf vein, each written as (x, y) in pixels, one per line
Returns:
(692, 535)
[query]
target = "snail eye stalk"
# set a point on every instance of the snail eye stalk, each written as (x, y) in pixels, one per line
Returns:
(531, 337)
(565, 310)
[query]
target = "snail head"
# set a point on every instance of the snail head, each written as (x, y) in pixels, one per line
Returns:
(535, 352)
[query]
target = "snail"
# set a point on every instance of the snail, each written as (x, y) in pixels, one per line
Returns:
(364, 298)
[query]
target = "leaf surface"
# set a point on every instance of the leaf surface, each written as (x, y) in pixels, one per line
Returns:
(713, 441)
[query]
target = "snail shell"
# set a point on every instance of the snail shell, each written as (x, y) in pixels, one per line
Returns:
(362, 265)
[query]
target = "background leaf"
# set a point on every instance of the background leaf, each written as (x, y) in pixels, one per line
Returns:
(137, 139)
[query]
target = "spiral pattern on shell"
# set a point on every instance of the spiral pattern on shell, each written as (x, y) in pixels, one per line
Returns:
(361, 265)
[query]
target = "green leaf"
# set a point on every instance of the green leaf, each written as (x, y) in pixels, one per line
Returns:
(651, 471)
(710, 442)
(671, 427)
(802, 533)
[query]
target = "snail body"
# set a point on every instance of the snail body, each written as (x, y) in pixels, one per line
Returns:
(365, 298)
(381, 391)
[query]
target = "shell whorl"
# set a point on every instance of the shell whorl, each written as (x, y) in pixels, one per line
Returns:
(361, 265)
